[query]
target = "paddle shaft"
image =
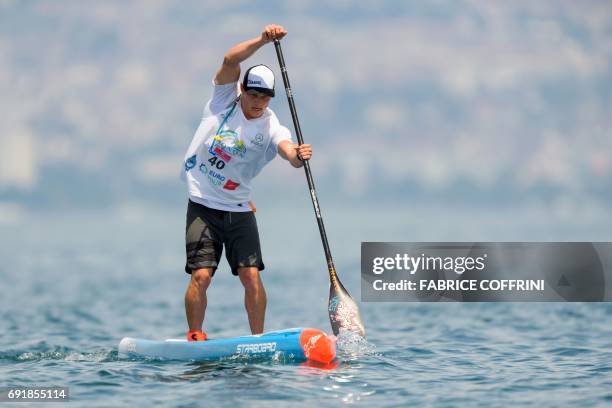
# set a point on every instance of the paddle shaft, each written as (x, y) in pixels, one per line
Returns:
(313, 193)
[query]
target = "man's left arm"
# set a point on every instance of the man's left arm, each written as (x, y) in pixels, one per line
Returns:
(293, 153)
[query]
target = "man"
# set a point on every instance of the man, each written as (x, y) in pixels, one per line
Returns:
(237, 137)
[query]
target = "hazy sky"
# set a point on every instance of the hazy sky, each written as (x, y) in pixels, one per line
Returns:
(479, 101)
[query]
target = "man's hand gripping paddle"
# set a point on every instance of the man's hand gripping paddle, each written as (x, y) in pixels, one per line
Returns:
(343, 311)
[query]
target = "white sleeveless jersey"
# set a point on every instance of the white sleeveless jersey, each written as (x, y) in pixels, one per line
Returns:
(228, 151)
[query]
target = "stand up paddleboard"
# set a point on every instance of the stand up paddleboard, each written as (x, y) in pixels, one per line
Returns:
(298, 344)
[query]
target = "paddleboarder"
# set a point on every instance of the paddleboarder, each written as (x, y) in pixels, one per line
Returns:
(238, 135)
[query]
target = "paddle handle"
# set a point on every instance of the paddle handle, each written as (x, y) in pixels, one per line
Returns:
(311, 186)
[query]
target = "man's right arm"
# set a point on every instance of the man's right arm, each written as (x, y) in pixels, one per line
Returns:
(230, 69)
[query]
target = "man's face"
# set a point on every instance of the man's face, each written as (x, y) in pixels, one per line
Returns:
(254, 103)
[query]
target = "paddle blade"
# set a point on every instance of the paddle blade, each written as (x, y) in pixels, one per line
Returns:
(343, 311)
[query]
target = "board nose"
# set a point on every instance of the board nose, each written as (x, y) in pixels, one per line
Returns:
(317, 346)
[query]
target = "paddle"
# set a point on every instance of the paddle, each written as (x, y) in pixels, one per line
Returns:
(343, 311)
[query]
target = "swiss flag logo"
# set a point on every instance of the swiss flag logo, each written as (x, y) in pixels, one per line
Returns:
(231, 185)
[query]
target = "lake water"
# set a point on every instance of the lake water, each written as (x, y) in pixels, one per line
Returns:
(74, 284)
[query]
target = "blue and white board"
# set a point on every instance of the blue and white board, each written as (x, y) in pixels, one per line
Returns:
(297, 343)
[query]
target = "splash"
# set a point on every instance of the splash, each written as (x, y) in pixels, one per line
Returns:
(351, 345)
(60, 353)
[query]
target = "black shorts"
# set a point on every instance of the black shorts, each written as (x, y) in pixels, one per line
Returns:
(208, 230)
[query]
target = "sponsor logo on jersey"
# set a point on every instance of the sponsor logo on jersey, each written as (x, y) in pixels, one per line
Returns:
(255, 348)
(220, 153)
(226, 144)
(257, 140)
(231, 185)
(190, 163)
(215, 178)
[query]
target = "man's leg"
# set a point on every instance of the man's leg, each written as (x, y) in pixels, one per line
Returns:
(195, 297)
(254, 298)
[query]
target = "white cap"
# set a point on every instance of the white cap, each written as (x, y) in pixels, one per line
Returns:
(259, 78)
